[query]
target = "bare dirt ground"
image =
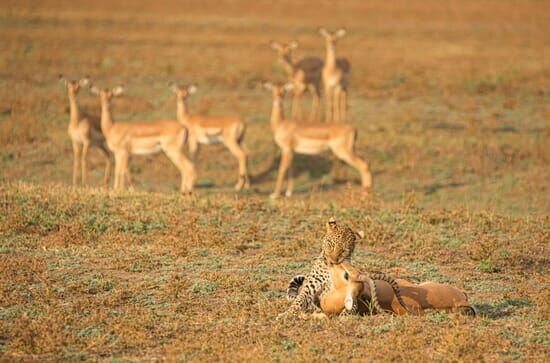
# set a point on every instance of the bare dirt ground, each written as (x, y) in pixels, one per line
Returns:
(452, 103)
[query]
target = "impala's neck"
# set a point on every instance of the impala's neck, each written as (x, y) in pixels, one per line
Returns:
(330, 58)
(287, 63)
(277, 113)
(106, 120)
(74, 110)
(182, 111)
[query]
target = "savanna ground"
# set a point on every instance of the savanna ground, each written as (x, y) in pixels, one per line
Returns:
(453, 106)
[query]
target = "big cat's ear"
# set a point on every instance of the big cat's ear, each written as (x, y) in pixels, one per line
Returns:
(62, 79)
(323, 32)
(361, 234)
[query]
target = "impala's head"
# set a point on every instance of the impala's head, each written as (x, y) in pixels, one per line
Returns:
(278, 90)
(282, 49)
(332, 37)
(349, 281)
(106, 94)
(183, 91)
(73, 86)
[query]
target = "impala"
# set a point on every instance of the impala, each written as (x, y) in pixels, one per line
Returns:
(335, 76)
(208, 130)
(305, 74)
(310, 139)
(84, 131)
(143, 138)
(350, 287)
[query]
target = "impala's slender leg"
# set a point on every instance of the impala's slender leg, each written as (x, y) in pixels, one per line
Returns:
(344, 151)
(107, 173)
(183, 165)
(290, 181)
(286, 159)
(191, 175)
(193, 148)
(121, 169)
(127, 176)
(117, 171)
(344, 105)
(316, 95)
(247, 177)
(84, 161)
(336, 104)
(76, 160)
(328, 104)
(297, 102)
(240, 155)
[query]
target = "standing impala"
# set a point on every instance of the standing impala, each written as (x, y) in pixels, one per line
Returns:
(305, 74)
(84, 131)
(143, 138)
(335, 78)
(212, 130)
(310, 139)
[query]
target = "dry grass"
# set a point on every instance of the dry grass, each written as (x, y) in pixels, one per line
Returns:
(452, 103)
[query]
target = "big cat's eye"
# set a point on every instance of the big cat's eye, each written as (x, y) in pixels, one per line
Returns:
(346, 276)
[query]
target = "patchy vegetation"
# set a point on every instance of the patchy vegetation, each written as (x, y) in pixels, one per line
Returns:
(214, 269)
(451, 102)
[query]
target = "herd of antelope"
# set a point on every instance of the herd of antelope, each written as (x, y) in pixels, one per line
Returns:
(124, 139)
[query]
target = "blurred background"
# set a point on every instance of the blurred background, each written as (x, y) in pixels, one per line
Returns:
(451, 98)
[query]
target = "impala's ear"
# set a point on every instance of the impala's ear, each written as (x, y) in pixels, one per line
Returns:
(192, 88)
(267, 85)
(340, 32)
(62, 79)
(293, 44)
(275, 45)
(94, 90)
(173, 86)
(288, 87)
(323, 32)
(118, 90)
(84, 81)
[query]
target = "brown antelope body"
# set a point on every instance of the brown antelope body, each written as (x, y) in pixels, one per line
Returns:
(311, 139)
(304, 74)
(349, 287)
(143, 138)
(85, 132)
(206, 130)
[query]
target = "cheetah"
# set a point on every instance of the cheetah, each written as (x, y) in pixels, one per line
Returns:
(338, 245)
